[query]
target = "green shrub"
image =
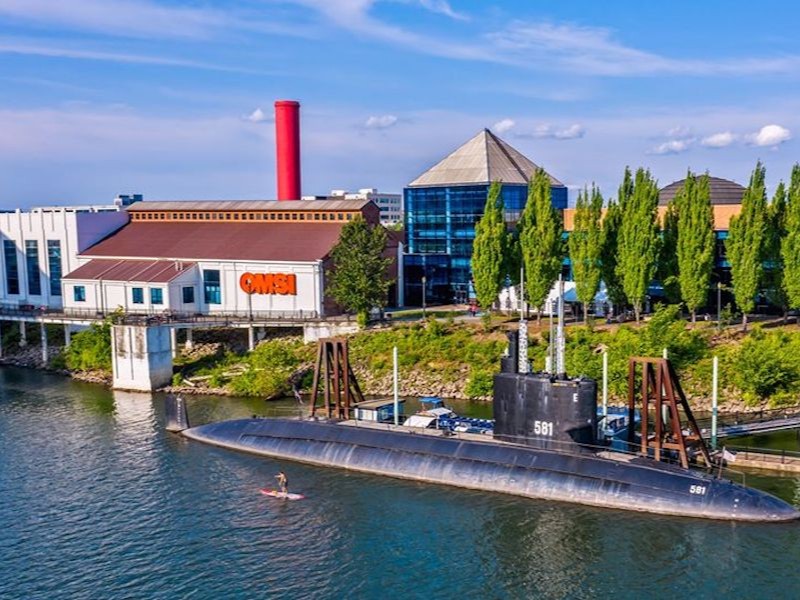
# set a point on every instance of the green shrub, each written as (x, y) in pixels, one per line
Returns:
(766, 364)
(177, 380)
(90, 349)
(480, 383)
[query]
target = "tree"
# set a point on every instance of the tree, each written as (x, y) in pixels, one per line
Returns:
(667, 269)
(608, 254)
(776, 231)
(695, 249)
(540, 232)
(585, 246)
(638, 241)
(358, 280)
(489, 249)
(790, 244)
(745, 243)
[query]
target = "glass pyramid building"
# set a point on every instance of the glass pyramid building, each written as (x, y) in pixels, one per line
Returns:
(443, 205)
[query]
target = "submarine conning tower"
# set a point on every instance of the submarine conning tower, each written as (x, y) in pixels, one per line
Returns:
(543, 410)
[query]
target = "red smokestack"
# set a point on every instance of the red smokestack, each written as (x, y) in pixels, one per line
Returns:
(287, 140)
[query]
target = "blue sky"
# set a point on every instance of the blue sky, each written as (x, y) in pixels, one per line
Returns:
(174, 99)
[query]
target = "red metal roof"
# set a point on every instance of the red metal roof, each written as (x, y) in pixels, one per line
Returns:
(292, 242)
(140, 271)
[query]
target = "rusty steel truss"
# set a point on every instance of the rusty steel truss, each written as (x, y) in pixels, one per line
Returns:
(661, 392)
(340, 386)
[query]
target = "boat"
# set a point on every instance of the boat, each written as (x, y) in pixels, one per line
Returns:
(543, 444)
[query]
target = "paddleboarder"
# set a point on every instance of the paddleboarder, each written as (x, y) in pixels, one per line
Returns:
(283, 482)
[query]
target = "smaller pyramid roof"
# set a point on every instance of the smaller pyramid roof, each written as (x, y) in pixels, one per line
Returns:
(482, 159)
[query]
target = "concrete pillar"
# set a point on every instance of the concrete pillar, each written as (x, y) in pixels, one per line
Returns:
(251, 338)
(23, 335)
(173, 341)
(67, 335)
(141, 357)
(44, 342)
(189, 339)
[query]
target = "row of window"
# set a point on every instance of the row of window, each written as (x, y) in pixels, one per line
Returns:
(243, 216)
(32, 267)
(137, 295)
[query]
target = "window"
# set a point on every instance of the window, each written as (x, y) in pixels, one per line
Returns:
(211, 287)
(251, 216)
(32, 264)
(138, 295)
(79, 293)
(316, 216)
(12, 267)
(235, 216)
(188, 295)
(272, 217)
(156, 296)
(54, 266)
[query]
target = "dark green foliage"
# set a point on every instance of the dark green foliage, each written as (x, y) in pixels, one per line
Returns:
(790, 244)
(638, 240)
(585, 246)
(358, 280)
(90, 349)
(695, 249)
(480, 383)
(608, 254)
(540, 232)
(773, 260)
(489, 249)
(746, 241)
(667, 269)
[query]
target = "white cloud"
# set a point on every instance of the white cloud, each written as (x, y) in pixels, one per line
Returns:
(681, 131)
(257, 116)
(548, 131)
(30, 49)
(443, 8)
(380, 122)
(503, 126)
(719, 140)
(672, 147)
(770, 135)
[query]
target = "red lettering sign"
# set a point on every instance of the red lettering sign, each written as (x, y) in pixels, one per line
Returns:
(269, 283)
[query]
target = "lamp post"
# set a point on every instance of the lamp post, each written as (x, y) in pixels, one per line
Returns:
(424, 280)
(719, 305)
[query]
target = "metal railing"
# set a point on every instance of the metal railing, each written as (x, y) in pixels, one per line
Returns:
(766, 454)
(151, 317)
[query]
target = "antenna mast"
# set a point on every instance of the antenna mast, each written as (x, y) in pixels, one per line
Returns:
(522, 358)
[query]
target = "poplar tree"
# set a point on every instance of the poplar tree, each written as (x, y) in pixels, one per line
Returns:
(540, 232)
(638, 241)
(585, 245)
(489, 248)
(790, 244)
(667, 269)
(745, 243)
(608, 254)
(776, 231)
(695, 249)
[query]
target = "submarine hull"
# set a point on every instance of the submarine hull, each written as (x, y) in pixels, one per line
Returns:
(629, 483)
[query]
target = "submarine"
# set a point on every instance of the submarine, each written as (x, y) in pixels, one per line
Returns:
(544, 446)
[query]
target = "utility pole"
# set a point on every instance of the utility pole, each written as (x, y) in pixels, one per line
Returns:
(424, 293)
(714, 401)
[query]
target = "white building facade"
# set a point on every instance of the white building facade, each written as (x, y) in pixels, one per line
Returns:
(390, 205)
(259, 258)
(42, 244)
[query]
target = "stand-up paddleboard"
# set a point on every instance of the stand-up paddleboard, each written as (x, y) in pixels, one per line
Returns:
(282, 495)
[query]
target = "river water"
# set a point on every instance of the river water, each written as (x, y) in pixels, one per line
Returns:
(97, 501)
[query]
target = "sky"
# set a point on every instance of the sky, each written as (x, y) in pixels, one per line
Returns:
(174, 99)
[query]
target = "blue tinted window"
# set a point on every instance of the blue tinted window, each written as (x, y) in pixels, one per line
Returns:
(54, 266)
(188, 295)
(211, 286)
(156, 296)
(12, 266)
(79, 293)
(32, 264)
(138, 295)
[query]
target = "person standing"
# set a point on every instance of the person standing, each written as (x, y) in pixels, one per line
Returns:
(283, 482)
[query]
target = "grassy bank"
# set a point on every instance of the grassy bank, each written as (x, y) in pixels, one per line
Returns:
(758, 369)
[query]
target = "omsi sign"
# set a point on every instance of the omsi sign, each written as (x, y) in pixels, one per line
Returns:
(269, 283)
